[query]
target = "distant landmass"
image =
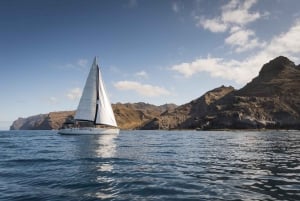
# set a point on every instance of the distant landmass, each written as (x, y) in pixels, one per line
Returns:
(128, 116)
(271, 101)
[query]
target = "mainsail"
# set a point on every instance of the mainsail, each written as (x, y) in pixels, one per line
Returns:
(94, 104)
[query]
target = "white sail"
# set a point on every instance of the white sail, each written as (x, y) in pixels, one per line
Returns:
(105, 114)
(94, 104)
(87, 106)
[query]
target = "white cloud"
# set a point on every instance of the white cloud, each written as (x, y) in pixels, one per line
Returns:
(235, 15)
(239, 36)
(216, 67)
(74, 94)
(236, 12)
(243, 39)
(141, 74)
(214, 25)
(286, 44)
(142, 89)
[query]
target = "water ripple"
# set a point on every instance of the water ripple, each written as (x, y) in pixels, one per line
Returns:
(150, 165)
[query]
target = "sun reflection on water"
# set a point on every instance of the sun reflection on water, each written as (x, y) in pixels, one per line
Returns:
(106, 149)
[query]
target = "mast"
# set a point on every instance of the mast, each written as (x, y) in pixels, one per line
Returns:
(97, 91)
(94, 104)
(105, 114)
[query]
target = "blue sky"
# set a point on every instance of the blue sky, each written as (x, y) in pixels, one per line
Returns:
(149, 50)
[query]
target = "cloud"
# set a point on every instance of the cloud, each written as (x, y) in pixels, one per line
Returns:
(239, 36)
(287, 44)
(214, 25)
(236, 12)
(74, 94)
(52, 100)
(235, 15)
(142, 89)
(141, 74)
(243, 39)
(216, 67)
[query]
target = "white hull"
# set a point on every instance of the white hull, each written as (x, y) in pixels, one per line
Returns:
(88, 131)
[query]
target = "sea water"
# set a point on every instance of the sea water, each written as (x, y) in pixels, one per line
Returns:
(150, 165)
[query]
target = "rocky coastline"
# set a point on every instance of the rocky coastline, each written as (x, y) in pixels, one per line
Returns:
(270, 101)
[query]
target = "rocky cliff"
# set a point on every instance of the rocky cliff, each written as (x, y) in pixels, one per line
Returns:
(53, 120)
(128, 116)
(271, 100)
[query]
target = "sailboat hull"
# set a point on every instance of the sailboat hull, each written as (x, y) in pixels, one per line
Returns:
(88, 131)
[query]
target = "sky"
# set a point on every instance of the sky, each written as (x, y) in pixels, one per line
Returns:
(153, 51)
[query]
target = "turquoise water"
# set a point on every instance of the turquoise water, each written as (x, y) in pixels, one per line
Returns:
(150, 165)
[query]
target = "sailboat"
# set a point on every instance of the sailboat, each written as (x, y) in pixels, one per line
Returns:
(94, 114)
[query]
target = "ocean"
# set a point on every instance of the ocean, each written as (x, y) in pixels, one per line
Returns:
(150, 165)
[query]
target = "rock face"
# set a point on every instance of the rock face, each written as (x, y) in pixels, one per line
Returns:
(128, 116)
(135, 115)
(29, 123)
(53, 120)
(271, 100)
(187, 116)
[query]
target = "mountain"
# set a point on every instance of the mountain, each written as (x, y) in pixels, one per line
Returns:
(29, 123)
(185, 116)
(53, 120)
(135, 115)
(271, 100)
(128, 116)
(279, 77)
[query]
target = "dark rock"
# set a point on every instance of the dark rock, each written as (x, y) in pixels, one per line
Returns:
(271, 100)
(30, 123)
